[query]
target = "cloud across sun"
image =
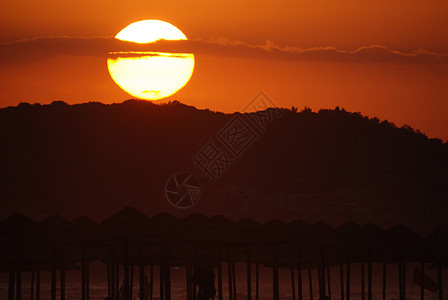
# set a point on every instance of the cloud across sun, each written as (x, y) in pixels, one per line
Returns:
(147, 74)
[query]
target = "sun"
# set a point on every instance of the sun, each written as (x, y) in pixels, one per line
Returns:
(148, 31)
(150, 75)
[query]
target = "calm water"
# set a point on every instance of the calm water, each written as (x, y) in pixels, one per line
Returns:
(179, 292)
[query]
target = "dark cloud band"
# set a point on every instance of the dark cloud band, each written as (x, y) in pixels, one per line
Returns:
(29, 50)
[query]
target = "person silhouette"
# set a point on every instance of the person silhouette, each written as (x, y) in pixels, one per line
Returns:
(121, 295)
(205, 280)
(146, 287)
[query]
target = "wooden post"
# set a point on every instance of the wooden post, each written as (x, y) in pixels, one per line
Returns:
(117, 280)
(329, 283)
(362, 281)
(151, 283)
(369, 276)
(19, 285)
(32, 286)
(422, 289)
(62, 283)
(249, 275)
(161, 275)
(167, 274)
(234, 280)
(341, 278)
(108, 280)
(83, 273)
(276, 291)
(299, 276)
(310, 283)
(38, 283)
(53, 273)
(12, 279)
(319, 279)
(229, 275)
(400, 279)
(404, 280)
(112, 280)
(219, 275)
(188, 279)
(321, 276)
(384, 280)
(112, 273)
(87, 279)
(440, 279)
(131, 284)
(293, 284)
(257, 281)
(126, 269)
(195, 268)
(141, 274)
(19, 273)
(348, 276)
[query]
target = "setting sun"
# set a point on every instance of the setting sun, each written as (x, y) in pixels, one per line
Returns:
(148, 31)
(150, 75)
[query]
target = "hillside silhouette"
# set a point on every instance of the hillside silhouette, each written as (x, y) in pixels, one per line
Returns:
(93, 159)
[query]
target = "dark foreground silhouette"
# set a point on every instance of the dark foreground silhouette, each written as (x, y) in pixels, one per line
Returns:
(92, 159)
(204, 247)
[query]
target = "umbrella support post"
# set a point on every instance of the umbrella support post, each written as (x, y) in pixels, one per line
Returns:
(32, 286)
(348, 276)
(299, 276)
(11, 284)
(310, 283)
(219, 265)
(249, 276)
(384, 280)
(234, 280)
(363, 290)
(257, 281)
(293, 284)
(422, 289)
(341, 279)
(440, 279)
(369, 276)
(151, 282)
(62, 283)
(38, 283)
(53, 274)
(275, 291)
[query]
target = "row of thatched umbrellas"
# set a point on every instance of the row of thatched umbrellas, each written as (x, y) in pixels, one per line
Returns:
(131, 239)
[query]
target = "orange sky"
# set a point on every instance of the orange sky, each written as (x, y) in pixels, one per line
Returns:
(319, 54)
